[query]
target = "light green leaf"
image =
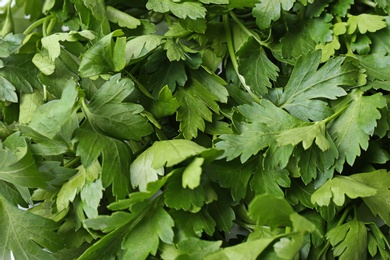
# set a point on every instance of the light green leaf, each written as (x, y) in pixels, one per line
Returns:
(121, 18)
(336, 188)
(150, 163)
(44, 63)
(181, 9)
(26, 235)
(247, 250)
(165, 105)
(353, 128)
(140, 46)
(28, 104)
(49, 118)
(255, 67)
(195, 249)
(365, 23)
(7, 91)
(71, 188)
(306, 135)
(269, 10)
(90, 195)
(349, 240)
(192, 173)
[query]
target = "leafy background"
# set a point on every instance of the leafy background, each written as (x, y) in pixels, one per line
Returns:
(209, 129)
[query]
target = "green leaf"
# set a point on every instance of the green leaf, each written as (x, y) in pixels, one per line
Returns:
(353, 128)
(160, 72)
(233, 175)
(319, 28)
(267, 123)
(115, 159)
(306, 135)
(49, 118)
(336, 188)
(222, 213)
(269, 10)
(255, 67)
(192, 174)
(107, 114)
(7, 91)
(270, 181)
(19, 70)
(308, 83)
(376, 65)
(247, 250)
(90, 195)
(365, 23)
(195, 249)
(26, 234)
(150, 163)
(144, 238)
(165, 105)
(197, 104)
(194, 224)
(17, 164)
(178, 197)
(122, 19)
(10, 44)
(277, 214)
(182, 9)
(101, 57)
(380, 202)
(109, 223)
(140, 46)
(52, 42)
(349, 240)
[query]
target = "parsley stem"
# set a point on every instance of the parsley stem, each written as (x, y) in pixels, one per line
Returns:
(233, 58)
(246, 30)
(72, 162)
(34, 25)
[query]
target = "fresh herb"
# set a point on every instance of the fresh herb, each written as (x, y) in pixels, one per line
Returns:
(195, 129)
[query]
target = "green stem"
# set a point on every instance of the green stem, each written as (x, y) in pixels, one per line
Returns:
(34, 25)
(72, 162)
(341, 221)
(233, 58)
(50, 26)
(246, 30)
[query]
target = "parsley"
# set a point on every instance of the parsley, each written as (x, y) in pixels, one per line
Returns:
(194, 129)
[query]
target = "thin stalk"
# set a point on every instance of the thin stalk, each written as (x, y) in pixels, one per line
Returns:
(72, 162)
(246, 30)
(51, 25)
(34, 25)
(233, 58)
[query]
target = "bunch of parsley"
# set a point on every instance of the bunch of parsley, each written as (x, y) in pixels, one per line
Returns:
(195, 129)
